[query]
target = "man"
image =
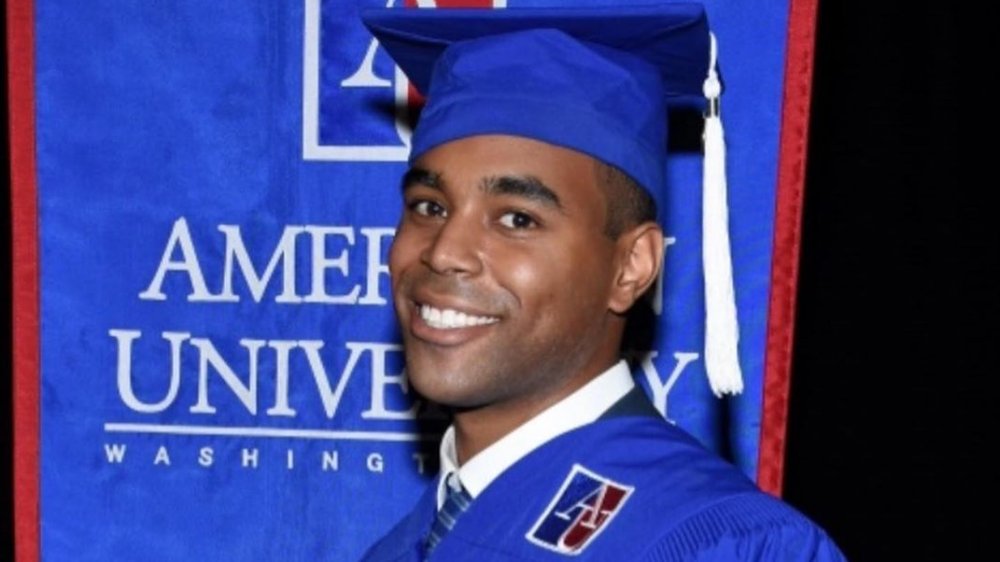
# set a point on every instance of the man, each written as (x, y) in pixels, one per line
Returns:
(528, 233)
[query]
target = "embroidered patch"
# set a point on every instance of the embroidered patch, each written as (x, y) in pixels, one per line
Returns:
(582, 508)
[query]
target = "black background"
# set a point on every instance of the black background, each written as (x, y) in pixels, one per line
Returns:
(888, 423)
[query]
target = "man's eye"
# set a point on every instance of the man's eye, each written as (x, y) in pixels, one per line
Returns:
(427, 209)
(518, 220)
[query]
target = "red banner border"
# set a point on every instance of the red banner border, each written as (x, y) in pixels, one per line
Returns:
(24, 275)
(787, 238)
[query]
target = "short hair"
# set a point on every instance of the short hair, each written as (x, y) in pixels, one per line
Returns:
(628, 203)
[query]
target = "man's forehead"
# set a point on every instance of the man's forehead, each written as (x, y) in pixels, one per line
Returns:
(503, 154)
(505, 165)
(523, 186)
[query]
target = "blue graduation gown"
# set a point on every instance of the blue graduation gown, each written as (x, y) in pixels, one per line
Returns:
(685, 504)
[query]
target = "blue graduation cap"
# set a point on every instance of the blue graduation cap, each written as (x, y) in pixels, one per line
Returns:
(597, 80)
(592, 79)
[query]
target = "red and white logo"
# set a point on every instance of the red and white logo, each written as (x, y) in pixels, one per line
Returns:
(355, 102)
(582, 508)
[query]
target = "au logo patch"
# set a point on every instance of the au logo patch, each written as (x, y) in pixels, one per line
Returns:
(585, 504)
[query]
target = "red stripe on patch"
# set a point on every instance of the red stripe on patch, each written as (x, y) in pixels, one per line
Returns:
(591, 520)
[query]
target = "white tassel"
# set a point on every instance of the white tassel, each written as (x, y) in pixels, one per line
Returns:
(722, 362)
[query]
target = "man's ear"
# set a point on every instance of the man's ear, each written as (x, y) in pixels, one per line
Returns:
(639, 258)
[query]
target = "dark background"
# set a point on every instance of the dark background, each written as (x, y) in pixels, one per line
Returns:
(888, 421)
(889, 396)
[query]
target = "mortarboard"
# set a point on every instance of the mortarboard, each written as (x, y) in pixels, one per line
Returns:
(597, 80)
(592, 79)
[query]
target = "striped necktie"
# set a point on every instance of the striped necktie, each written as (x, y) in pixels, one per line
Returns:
(455, 503)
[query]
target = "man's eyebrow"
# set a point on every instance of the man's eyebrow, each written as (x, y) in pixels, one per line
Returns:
(419, 176)
(528, 187)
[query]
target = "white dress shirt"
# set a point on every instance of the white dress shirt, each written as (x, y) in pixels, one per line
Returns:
(584, 406)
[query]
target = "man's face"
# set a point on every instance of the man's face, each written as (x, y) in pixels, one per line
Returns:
(501, 273)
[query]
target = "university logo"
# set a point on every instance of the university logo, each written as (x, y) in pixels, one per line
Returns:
(356, 104)
(585, 504)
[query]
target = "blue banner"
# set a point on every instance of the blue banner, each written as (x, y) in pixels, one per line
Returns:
(218, 185)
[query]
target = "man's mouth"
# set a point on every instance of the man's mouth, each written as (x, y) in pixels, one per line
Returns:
(451, 319)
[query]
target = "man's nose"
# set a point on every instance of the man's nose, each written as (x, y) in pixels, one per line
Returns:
(455, 249)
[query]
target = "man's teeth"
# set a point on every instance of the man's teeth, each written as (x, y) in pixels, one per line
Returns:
(444, 319)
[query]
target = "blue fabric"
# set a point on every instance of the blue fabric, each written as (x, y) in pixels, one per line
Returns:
(150, 113)
(686, 504)
(456, 501)
(596, 80)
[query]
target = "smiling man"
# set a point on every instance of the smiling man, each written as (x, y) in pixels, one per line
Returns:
(528, 233)
(510, 292)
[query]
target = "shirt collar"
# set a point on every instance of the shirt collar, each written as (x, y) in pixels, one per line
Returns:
(581, 407)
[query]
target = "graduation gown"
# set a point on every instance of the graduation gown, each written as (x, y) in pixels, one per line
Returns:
(624, 488)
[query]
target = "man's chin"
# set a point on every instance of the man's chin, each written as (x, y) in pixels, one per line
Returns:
(445, 386)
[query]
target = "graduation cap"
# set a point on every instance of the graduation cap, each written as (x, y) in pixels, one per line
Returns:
(597, 80)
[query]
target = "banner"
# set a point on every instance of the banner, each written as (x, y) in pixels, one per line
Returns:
(207, 365)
